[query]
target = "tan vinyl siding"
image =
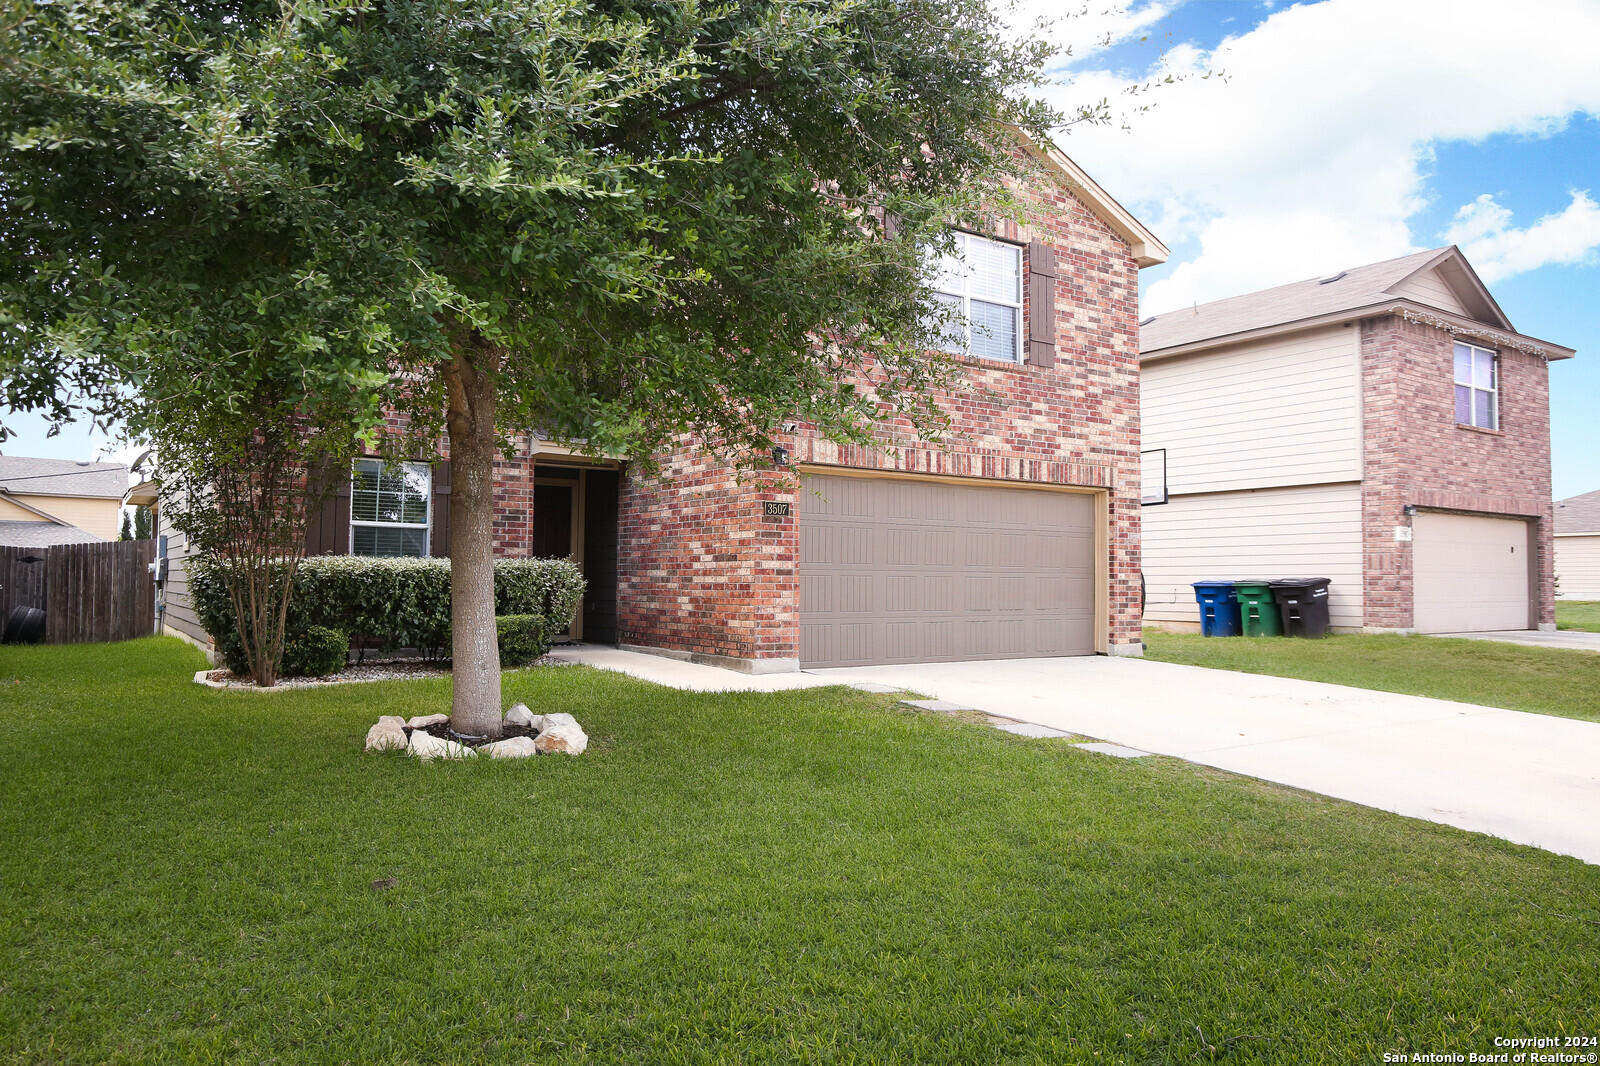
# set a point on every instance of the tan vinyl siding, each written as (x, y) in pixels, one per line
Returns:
(99, 516)
(1578, 566)
(1273, 413)
(1429, 288)
(179, 610)
(1272, 533)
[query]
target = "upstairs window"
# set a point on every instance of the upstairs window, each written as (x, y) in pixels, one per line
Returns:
(981, 286)
(1477, 387)
(390, 508)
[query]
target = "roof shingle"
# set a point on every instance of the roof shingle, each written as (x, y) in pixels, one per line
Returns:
(42, 535)
(28, 476)
(1356, 287)
(1579, 514)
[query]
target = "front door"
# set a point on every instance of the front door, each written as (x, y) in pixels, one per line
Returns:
(553, 513)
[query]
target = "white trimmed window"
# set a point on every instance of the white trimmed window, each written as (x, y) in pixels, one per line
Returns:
(391, 508)
(1477, 387)
(981, 285)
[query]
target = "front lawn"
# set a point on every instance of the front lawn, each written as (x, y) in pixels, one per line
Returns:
(1513, 676)
(199, 876)
(1578, 614)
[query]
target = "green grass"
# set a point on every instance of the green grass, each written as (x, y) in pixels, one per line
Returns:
(817, 876)
(1578, 614)
(1513, 676)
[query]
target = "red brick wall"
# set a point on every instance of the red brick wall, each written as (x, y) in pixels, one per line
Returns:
(513, 504)
(1416, 454)
(701, 571)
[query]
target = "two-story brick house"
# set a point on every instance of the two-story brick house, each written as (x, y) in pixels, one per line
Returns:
(1385, 427)
(1018, 536)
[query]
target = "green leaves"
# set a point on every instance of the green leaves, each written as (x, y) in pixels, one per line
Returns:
(404, 603)
(658, 209)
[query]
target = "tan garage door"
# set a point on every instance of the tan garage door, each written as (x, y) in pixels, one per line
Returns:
(1469, 574)
(896, 570)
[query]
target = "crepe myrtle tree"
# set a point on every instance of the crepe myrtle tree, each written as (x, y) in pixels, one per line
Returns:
(618, 222)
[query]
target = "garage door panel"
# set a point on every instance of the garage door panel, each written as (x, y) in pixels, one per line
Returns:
(1469, 573)
(907, 571)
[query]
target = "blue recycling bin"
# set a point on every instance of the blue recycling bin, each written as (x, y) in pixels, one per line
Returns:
(1219, 608)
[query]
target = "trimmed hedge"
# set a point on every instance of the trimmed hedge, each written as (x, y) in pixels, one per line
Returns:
(316, 652)
(523, 638)
(399, 603)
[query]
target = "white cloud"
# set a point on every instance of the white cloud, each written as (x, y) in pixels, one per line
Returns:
(1483, 230)
(1090, 27)
(1312, 154)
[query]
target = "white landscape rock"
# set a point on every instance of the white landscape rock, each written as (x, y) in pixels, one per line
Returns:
(425, 746)
(512, 748)
(551, 721)
(561, 737)
(393, 719)
(520, 715)
(387, 735)
(423, 721)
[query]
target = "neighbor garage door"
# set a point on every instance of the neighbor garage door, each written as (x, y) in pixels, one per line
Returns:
(1469, 574)
(898, 570)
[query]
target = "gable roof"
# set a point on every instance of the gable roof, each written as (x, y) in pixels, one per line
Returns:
(1359, 291)
(1579, 514)
(1146, 246)
(42, 535)
(27, 476)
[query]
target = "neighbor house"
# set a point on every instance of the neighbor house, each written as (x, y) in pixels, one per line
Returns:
(1385, 427)
(1020, 538)
(44, 502)
(1578, 547)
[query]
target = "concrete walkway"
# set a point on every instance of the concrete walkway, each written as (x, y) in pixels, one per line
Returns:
(1560, 638)
(1529, 778)
(676, 673)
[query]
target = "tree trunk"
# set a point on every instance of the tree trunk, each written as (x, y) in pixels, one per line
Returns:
(470, 385)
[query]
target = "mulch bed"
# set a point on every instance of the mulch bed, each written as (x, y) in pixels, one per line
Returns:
(396, 669)
(442, 731)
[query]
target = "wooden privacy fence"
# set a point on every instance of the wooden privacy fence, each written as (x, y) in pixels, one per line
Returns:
(89, 592)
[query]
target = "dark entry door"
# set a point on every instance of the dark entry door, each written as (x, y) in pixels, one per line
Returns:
(552, 521)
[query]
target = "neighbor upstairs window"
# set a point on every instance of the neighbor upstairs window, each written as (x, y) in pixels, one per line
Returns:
(981, 285)
(1477, 387)
(390, 508)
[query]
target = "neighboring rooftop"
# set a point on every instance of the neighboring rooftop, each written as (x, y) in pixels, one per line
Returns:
(42, 535)
(1370, 287)
(27, 476)
(1579, 514)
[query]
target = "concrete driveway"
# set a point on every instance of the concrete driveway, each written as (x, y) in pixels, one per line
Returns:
(1575, 639)
(1529, 778)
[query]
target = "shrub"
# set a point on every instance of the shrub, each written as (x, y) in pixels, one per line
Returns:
(399, 603)
(315, 651)
(523, 638)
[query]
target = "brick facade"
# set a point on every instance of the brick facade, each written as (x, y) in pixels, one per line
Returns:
(1415, 453)
(701, 571)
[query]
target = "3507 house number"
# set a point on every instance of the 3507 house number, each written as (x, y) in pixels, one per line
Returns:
(774, 510)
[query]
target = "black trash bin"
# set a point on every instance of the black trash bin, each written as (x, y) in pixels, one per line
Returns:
(1303, 603)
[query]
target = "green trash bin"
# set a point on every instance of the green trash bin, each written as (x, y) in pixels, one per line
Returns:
(1258, 612)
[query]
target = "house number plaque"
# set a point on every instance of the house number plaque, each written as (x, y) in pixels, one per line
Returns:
(774, 510)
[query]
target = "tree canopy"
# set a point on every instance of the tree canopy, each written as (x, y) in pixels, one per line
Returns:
(615, 222)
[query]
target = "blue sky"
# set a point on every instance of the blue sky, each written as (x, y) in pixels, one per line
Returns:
(1339, 133)
(1349, 131)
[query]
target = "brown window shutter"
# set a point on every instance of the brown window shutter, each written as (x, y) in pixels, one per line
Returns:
(1041, 304)
(891, 225)
(439, 541)
(329, 533)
